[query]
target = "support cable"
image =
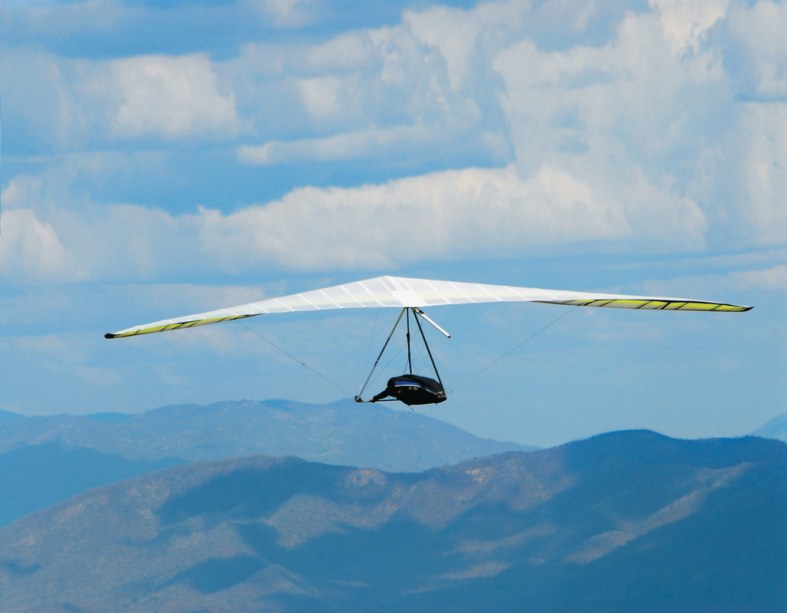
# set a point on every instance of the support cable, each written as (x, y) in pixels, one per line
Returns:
(409, 354)
(527, 340)
(358, 397)
(294, 358)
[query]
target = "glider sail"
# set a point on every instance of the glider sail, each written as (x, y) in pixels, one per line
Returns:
(401, 292)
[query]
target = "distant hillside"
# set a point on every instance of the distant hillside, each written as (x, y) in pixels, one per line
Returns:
(630, 521)
(775, 428)
(45, 460)
(34, 477)
(7, 417)
(339, 433)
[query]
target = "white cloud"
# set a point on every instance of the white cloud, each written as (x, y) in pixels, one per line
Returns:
(393, 78)
(468, 213)
(31, 249)
(773, 278)
(337, 147)
(686, 22)
(451, 214)
(348, 51)
(468, 39)
(763, 158)
(329, 98)
(45, 20)
(42, 110)
(165, 96)
(454, 33)
(78, 103)
(50, 234)
(758, 48)
(637, 140)
(258, 62)
(288, 13)
(632, 92)
(143, 243)
(373, 143)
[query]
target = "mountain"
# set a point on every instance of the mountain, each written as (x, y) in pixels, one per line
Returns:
(775, 428)
(34, 477)
(7, 417)
(342, 432)
(629, 521)
(47, 459)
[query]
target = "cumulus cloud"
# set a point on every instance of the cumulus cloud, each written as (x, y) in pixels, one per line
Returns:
(385, 80)
(450, 214)
(633, 94)
(288, 13)
(77, 103)
(30, 247)
(161, 96)
(639, 138)
(648, 113)
(52, 234)
(467, 213)
(42, 110)
(757, 49)
(686, 22)
(763, 160)
(376, 143)
(773, 278)
(466, 40)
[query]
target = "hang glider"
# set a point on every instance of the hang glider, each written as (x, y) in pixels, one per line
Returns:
(407, 293)
(410, 296)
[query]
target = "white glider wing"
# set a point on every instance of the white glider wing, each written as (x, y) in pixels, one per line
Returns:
(401, 292)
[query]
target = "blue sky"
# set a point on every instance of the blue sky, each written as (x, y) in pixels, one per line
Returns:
(163, 158)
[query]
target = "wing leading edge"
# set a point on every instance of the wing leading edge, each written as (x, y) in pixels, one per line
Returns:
(387, 291)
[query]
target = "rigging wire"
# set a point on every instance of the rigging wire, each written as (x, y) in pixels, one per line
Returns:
(374, 367)
(295, 359)
(387, 366)
(524, 342)
(376, 372)
(409, 364)
(380, 355)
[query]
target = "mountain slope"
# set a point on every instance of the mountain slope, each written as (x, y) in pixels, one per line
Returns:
(339, 433)
(627, 521)
(775, 428)
(34, 477)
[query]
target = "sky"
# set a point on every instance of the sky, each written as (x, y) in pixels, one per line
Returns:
(166, 158)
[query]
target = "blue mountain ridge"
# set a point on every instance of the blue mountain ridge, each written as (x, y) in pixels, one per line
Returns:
(341, 432)
(47, 459)
(626, 521)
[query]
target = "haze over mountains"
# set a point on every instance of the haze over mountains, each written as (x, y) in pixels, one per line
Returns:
(342, 432)
(629, 521)
(775, 428)
(621, 522)
(44, 460)
(33, 477)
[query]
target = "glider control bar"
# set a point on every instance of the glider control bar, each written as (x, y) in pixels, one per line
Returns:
(431, 321)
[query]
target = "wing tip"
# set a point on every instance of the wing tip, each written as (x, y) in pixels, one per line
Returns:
(735, 308)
